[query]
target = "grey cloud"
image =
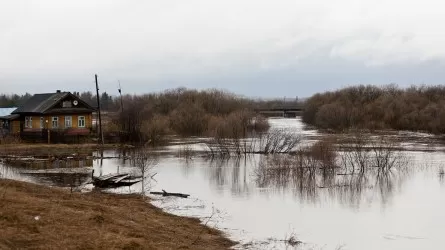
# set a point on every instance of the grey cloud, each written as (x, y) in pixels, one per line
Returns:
(256, 48)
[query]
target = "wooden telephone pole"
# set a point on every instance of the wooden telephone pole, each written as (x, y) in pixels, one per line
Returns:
(120, 94)
(98, 110)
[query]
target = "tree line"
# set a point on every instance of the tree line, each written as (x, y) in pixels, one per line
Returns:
(184, 112)
(13, 100)
(416, 108)
(112, 103)
(107, 102)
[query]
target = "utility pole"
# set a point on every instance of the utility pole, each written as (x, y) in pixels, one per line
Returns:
(120, 94)
(47, 131)
(98, 109)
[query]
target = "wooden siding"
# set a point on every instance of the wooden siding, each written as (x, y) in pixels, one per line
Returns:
(15, 125)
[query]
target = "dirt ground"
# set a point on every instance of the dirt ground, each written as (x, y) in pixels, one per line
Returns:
(39, 217)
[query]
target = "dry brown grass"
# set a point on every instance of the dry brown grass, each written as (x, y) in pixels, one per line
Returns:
(93, 221)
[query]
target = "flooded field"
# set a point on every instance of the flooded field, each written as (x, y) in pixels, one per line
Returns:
(400, 209)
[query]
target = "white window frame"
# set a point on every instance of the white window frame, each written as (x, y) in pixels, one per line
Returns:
(70, 125)
(42, 122)
(55, 119)
(28, 121)
(81, 121)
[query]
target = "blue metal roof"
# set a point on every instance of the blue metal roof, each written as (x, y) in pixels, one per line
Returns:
(6, 111)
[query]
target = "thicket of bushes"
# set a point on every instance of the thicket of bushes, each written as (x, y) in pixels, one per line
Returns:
(417, 108)
(149, 117)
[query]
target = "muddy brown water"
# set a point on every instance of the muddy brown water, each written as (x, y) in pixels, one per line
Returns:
(403, 210)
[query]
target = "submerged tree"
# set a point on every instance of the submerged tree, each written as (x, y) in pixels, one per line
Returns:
(145, 162)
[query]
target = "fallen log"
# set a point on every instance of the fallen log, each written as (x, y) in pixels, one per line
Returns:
(114, 180)
(165, 193)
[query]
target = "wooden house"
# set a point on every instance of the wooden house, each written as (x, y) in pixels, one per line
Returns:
(61, 114)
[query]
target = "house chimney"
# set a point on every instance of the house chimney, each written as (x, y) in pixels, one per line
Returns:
(58, 91)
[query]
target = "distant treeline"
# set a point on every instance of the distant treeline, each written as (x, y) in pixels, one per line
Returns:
(112, 103)
(13, 100)
(107, 102)
(185, 112)
(417, 108)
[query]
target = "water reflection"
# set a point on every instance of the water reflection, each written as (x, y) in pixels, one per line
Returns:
(230, 172)
(69, 170)
(280, 174)
(263, 197)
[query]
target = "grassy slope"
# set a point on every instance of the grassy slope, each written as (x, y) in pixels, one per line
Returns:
(93, 221)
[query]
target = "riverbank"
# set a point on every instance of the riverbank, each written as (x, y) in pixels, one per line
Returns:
(30, 149)
(23, 145)
(51, 218)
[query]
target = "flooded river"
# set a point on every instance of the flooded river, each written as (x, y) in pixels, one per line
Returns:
(402, 210)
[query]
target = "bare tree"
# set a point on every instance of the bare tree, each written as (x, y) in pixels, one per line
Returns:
(145, 162)
(380, 153)
(278, 141)
(356, 156)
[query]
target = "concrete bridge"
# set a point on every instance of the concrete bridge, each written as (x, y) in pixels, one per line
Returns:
(282, 111)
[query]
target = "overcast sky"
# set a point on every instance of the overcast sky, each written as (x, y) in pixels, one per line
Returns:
(257, 48)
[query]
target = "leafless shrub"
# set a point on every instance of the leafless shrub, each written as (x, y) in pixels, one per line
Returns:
(145, 162)
(189, 119)
(278, 141)
(292, 240)
(220, 148)
(356, 157)
(186, 151)
(325, 153)
(236, 125)
(131, 119)
(417, 108)
(385, 157)
(189, 112)
(155, 129)
(274, 169)
(348, 173)
(230, 134)
(380, 153)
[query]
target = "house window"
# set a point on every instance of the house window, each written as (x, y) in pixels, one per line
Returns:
(42, 122)
(55, 122)
(68, 122)
(28, 122)
(81, 121)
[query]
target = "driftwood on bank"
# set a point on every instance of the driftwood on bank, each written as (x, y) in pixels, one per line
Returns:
(165, 193)
(114, 180)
